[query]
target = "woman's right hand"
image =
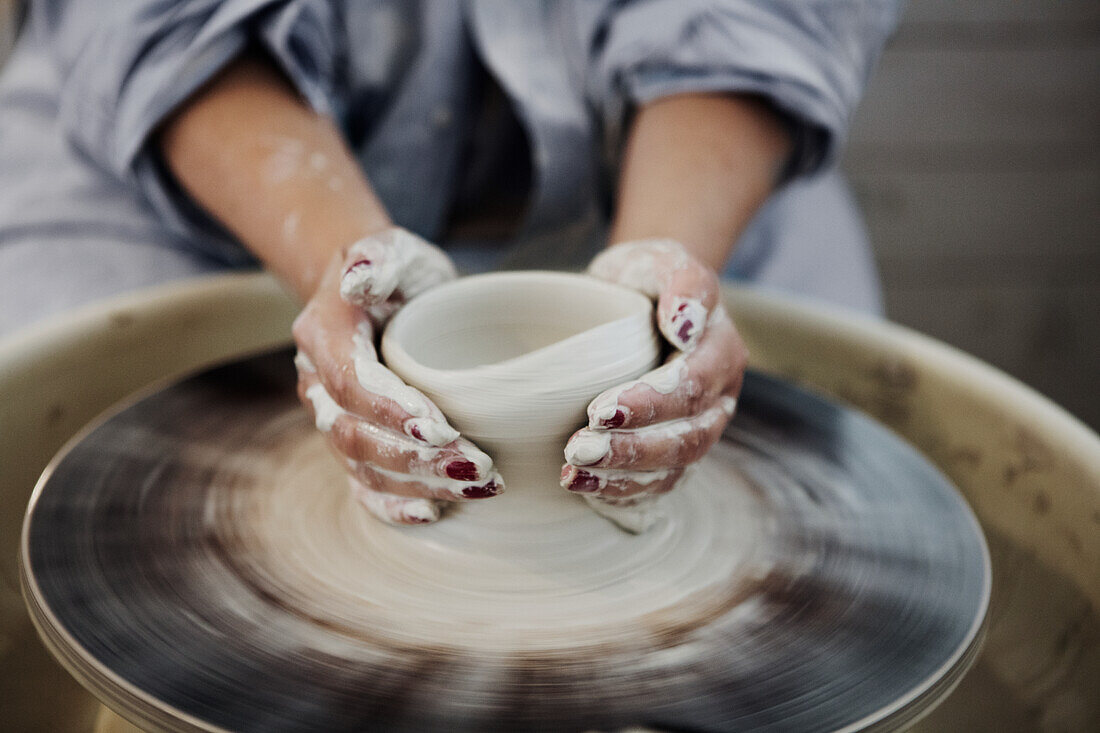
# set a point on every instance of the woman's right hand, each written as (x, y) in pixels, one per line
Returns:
(403, 459)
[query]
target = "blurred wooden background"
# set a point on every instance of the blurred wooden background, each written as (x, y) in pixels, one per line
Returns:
(976, 157)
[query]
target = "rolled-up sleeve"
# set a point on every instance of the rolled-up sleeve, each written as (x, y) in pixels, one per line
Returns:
(127, 66)
(809, 58)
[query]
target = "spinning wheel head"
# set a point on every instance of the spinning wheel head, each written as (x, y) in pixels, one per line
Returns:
(196, 561)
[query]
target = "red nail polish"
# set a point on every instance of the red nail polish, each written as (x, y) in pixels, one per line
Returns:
(462, 470)
(685, 331)
(357, 263)
(615, 420)
(481, 492)
(584, 483)
(415, 432)
(683, 307)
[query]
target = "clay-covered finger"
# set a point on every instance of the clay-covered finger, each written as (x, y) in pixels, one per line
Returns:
(685, 289)
(395, 509)
(394, 261)
(644, 265)
(684, 386)
(425, 487)
(685, 305)
(675, 443)
(371, 270)
(365, 442)
(617, 484)
(338, 343)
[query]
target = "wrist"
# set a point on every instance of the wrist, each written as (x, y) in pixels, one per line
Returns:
(323, 251)
(695, 169)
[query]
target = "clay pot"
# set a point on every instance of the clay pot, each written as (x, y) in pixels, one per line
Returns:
(513, 359)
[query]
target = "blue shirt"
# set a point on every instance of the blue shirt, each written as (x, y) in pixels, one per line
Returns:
(89, 83)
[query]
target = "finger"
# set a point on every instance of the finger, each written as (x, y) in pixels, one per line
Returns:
(425, 487)
(395, 509)
(397, 483)
(371, 270)
(683, 387)
(394, 261)
(685, 305)
(617, 484)
(338, 342)
(644, 266)
(685, 289)
(675, 443)
(365, 442)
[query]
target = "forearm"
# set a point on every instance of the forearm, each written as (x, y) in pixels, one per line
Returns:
(275, 173)
(695, 169)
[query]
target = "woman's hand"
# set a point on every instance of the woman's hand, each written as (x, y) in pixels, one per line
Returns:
(403, 459)
(280, 177)
(694, 170)
(642, 435)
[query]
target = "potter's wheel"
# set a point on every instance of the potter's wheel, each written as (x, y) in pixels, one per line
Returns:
(196, 561)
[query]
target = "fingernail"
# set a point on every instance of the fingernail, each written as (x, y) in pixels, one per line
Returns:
(686, 322)
(356, 282)
(605, 412)
(422, 511)
(431, 431)
(481, 492)
(462, 470)
(357, 263)
(684, 333)
(615, 421)
(584, 483)
(587, 447)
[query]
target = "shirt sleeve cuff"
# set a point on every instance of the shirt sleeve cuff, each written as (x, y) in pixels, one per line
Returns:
(298, 35)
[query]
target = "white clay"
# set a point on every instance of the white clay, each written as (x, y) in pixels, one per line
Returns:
(303, 364)
(635, 517)
(436, 483)
(377, 277)
(675, 429)
(642, 478)
(392, 508)
(324, 407)
(507, 575)
(638, 272)
(395, 260)
(687, 322)
(663, 380)
(479, 458)
(637, 513)
(513, 359)
(285, 159)
(587, 447)
(635, 264)
(375, 378)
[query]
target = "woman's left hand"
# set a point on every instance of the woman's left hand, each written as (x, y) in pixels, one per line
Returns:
(643, 434)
